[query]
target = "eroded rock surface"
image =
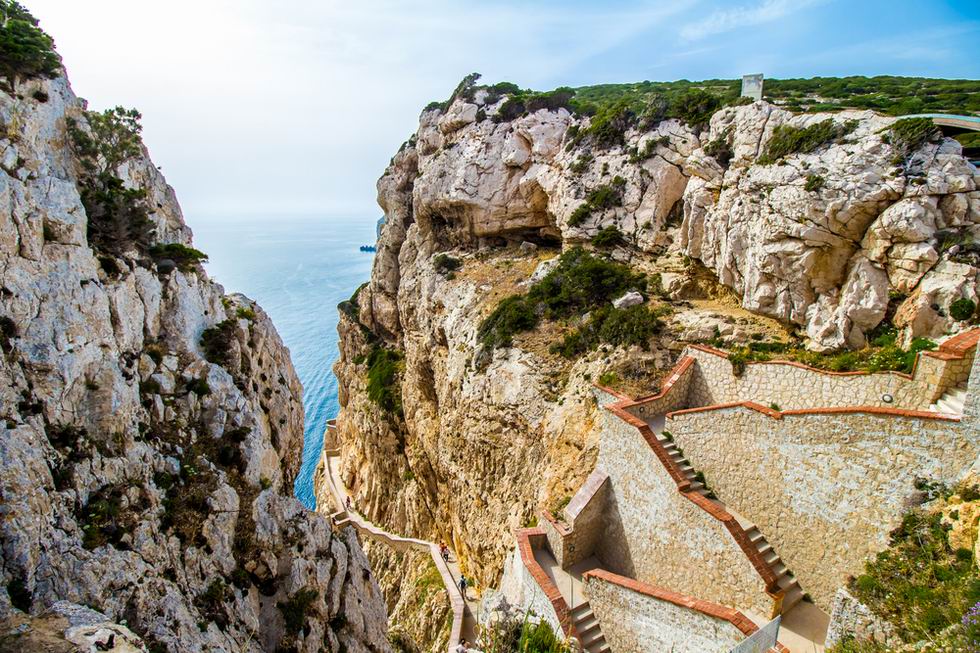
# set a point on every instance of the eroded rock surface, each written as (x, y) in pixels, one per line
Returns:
(136, 476)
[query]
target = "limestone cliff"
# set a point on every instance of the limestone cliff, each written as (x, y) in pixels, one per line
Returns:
(140, 474)
(823, 242)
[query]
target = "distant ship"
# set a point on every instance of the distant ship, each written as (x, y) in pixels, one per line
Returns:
(368, 248)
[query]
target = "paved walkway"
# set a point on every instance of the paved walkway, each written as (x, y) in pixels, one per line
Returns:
(464, 608)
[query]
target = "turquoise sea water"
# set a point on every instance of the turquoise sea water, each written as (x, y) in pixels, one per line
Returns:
(298, 269)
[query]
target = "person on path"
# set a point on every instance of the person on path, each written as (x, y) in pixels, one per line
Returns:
(462, 585)
(444, 551)
(347, 503)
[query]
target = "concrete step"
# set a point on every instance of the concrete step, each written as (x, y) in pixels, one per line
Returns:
(599, 648)
(585, 621)
(588, 639)
(793, 596)
(583, 609)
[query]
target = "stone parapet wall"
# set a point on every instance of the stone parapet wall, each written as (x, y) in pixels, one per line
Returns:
(658, 534)
(674, 393)
(791, 385)
(539, 592)
(825, 487)
(636, 616)
(520, 588)
(574, 538)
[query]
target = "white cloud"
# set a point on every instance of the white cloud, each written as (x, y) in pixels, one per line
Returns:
(726, 20)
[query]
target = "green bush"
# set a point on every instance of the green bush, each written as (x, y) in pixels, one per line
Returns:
(694, 107)
(787, 140)
(382, 386)
(720, 148)
(296, 609)
(26, 51)
(599, 199)
(512, 315)
(186, 258)
(444, 264)
(613, 326)
(813, 183)
(609, 125)
(216, 342)
(608, 237)
(962, 309)
(906, 136)
(579, 283)
(919, 583)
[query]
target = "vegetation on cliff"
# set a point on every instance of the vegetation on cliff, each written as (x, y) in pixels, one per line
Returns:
(26, 51)
(118, 216)
(927, 589)
(581, 283)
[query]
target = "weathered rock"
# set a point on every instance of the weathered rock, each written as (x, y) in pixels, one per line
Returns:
(632, 298)
(137, 477)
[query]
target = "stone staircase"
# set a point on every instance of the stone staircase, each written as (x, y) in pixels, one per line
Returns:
(784, 578)
(950, 403)
(587, 628)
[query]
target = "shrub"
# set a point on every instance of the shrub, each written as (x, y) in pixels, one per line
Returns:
(186, 258)
(813, 183)
(296, 608)
(787, 140)
(245, 313)
(962, 309)
(694, 107)
(383, 390)
(908, 135)
(211, 603)
(26, 51)
(511, 316)
(8, 331)
(350, 307)
(216, 342)
(920, 584)
(609, 125)
(444, 264)
(579, 283)
(720, 149)
(599, 199)
(608, 237)
(199, 387)
(613, 326)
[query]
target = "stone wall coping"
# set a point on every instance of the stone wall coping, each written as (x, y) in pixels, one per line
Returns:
(838, 410)
(710, 506)
(585, 494)
(529, 539)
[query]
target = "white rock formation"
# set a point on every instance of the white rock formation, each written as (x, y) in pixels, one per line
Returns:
(137, 477)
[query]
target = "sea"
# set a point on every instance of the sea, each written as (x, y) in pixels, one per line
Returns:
(298, 268)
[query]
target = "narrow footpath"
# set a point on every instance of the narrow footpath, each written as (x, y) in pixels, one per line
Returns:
(464, 608)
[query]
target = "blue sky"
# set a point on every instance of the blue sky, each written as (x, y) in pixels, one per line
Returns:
(295, 107)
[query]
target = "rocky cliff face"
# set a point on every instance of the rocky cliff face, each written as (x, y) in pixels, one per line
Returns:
(137, 475)
(823, 242)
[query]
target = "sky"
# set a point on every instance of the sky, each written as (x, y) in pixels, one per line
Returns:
(295, 108)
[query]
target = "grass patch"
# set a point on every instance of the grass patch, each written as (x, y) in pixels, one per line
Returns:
(296, 609)
(787, 140)
(880, 355)
(446, 265)
(624, 327)
(813, 183)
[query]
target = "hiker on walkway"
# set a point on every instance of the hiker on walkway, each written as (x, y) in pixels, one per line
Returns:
(462, 585)
(347, 503)
(444, 551)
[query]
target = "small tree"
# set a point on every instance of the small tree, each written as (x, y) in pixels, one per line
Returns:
(118, 217)
(26, 51)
